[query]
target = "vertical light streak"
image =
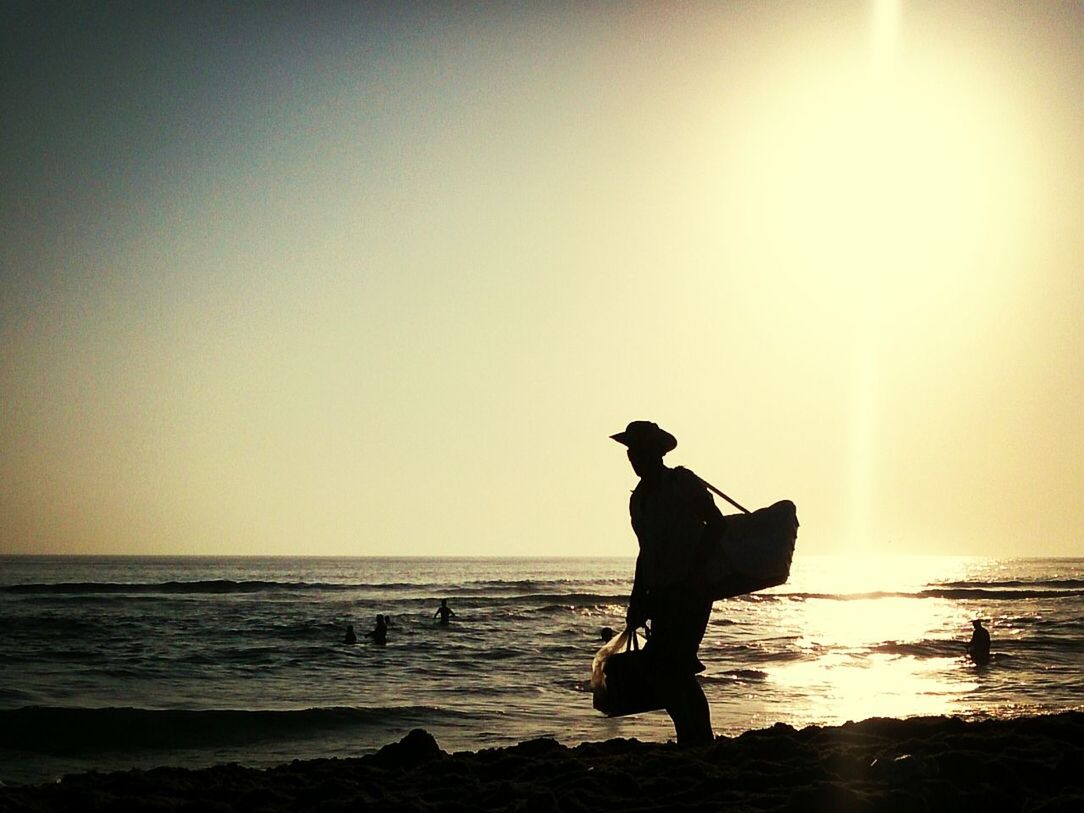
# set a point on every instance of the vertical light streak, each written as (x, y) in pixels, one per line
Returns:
(874, 258)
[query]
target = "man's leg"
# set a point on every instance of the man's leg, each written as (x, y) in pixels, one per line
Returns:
(688, 708)
(677, 629)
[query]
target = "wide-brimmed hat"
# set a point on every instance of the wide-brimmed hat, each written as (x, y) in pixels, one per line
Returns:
(646, 436)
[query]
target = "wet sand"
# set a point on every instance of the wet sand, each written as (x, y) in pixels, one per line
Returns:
(881, 764)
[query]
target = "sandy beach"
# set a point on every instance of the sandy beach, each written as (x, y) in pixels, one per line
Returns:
(919, 764)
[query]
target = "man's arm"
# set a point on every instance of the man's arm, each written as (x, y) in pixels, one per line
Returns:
(703, 507)
(713, 518)
(637, 612)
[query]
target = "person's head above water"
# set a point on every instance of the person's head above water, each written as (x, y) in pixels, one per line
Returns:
(647, 444)
(977, 622)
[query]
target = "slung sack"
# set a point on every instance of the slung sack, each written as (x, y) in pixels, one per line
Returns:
(754, 552)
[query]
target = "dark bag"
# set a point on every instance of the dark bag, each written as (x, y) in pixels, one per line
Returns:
(754, 552)
(621, 678)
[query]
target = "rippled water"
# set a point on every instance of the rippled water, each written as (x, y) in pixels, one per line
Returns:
(115, 662)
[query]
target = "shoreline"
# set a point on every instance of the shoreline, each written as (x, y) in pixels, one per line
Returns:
(922, 763)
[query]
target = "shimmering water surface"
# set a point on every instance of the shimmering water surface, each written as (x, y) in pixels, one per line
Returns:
(198, 660)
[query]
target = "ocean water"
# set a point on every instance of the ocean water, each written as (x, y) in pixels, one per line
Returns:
(117, 662)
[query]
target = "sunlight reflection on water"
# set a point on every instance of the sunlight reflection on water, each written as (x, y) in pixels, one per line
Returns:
(865, 573)
(876, 685)
(862, 650)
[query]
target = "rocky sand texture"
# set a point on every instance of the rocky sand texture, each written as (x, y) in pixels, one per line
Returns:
(880, 764)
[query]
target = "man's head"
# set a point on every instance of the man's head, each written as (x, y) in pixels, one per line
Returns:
(646, 436)
(647, 444)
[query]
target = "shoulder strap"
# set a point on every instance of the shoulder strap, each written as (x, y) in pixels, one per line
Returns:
(710, 487)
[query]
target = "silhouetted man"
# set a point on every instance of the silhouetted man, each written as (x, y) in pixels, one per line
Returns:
(671, 512)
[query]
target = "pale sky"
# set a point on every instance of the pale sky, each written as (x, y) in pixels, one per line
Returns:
(367, 279)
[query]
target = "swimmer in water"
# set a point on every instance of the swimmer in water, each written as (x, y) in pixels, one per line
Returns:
(978, 648)
(379, 633)
(445, 612)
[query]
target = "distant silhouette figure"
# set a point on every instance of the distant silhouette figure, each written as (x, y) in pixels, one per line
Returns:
(978, 649)
(379, 633)
(445, 612)
(351, 637)
(671, 513)
(605, 634)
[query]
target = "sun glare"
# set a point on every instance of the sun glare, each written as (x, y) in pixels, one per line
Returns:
(884, 193)
(884, 37)
(837, 634)
(876, 686)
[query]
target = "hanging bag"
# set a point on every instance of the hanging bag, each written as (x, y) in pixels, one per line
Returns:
(621, 678)
(754, 552)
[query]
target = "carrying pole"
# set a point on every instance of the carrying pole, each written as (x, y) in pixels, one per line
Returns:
(721, 494)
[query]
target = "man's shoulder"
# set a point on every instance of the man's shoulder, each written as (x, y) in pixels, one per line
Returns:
(680, 473)
(686, 480)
